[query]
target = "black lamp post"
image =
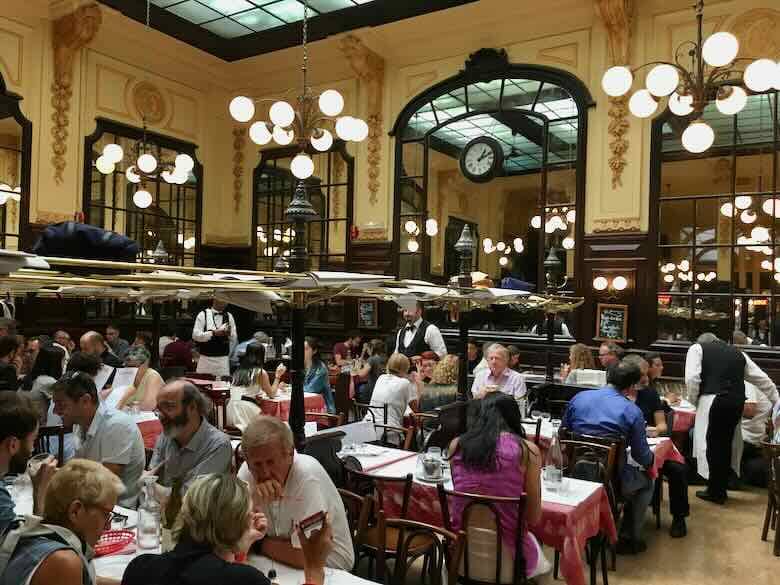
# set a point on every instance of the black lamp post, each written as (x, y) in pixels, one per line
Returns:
(552, 270)
(299, 213)
(465, 247)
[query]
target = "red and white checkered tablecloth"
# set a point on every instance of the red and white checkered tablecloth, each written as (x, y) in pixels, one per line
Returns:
(280, 406)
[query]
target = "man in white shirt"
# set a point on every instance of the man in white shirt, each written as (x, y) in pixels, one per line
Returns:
(419, 336)
(758, 409)
(289, 487)
(498, 376)
(216, 335)
(715, 374)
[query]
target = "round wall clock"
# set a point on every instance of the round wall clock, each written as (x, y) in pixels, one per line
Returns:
(481, 159)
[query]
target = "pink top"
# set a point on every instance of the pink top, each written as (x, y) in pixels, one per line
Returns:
(508, 481)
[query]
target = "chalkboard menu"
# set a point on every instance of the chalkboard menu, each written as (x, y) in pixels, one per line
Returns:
(612, 322)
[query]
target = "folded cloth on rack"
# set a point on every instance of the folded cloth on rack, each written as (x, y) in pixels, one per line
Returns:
(77, 240)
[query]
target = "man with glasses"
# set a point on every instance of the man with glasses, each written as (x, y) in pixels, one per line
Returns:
(610, 354)
(105, 434)
(189, 445)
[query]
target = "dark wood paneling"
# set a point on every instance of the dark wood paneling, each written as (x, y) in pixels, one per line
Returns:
(371, 257)
(226, 256)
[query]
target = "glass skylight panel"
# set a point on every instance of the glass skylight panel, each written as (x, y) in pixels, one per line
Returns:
(484, 96)
(286, 10)
(330, 5)
(227, 28)
(258, 19)
(194, 11)
(228, 7)
(165, 3)
(564, 108)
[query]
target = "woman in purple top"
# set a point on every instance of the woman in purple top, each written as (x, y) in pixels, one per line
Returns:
(493, 458)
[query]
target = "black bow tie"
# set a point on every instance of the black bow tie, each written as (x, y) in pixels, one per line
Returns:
(410, 327)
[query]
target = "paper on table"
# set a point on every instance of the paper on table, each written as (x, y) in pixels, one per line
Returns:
(123, 379)
(102, 376)
(574, 492)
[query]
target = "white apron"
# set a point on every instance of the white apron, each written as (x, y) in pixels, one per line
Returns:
(217, 365)
(700, 438)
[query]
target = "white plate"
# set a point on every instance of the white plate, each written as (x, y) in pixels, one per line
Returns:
(421, 477)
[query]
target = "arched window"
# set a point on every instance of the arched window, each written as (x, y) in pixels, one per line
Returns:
(716, 216)
(529, 208)
(15, 157)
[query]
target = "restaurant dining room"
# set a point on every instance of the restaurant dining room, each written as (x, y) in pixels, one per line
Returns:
(426, 292)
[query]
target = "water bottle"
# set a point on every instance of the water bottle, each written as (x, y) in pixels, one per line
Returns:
(553, 469)
(149, 516)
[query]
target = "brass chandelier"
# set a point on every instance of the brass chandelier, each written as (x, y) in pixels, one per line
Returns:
(714, 73)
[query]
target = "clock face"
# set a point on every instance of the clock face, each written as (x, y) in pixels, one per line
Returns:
(479, 159)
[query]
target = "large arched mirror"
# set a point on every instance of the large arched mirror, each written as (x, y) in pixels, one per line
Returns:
(172, 216)
(500, 147)
(15, 157)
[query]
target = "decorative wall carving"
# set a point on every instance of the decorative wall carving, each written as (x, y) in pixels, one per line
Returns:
(70, 34)
(47, 217)
(616, 224)
(239, 142)
(616, 15)
(370, 69)
(339, 168)
(369, 233)
(149, 103)
(757, 33)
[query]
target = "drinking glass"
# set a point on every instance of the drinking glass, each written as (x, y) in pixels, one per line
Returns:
(545, 416)
(536, 414)
(35, 462)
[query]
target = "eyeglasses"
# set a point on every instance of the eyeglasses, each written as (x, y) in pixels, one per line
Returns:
(111, 516)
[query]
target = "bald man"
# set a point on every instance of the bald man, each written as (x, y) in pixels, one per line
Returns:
(93, 343)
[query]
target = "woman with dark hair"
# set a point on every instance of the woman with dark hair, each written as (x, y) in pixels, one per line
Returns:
(365, 378)
(46, 370)
(316, 379)
(493, 458)
(249, 380)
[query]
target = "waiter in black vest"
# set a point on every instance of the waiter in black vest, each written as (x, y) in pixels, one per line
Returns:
(216, 336)
(715, 375)
(419, 336)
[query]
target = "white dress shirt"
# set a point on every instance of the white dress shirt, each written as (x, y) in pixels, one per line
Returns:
(210, 316)
(433, 338)
(754, 429)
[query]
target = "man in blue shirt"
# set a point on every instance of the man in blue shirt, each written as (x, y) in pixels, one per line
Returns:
(611, 412)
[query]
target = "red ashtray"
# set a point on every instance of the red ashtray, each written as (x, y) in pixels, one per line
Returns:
(112, 541)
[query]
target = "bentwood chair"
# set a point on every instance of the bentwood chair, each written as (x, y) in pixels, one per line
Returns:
(445, 550)
(391, 436)
(538, 424)
(325, 420)
(357, 509)
(772, 453)
(486, 560)
(218, 415)
(361, 410)
(44, 443)
(424, 424)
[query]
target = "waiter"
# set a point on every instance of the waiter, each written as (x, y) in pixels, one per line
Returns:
(419, 336)
(216, 336)
(715, 375)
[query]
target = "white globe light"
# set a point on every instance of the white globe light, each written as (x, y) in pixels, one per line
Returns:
(733, 102)
(766, 264)
(772, 207)
(571, 216)
(759, 233)
(331, 103)
(345, 127)
(184, 162)
(486, 243)
(642, 104)
(411, 227)
(777, 277)
(5, 187)
(302, 166)
(503, 261)
(617, 81)
(619, 283)
(662, 80)
(259, 134)
(132, 176)
(568, 243)
(697, 137)
(431, 227)
(242, 109)
(283, 137)
(748, 216)
(412, 246)
(776, 83)
(501, 246)
(179, 177)
(189, 243)
(680, 105)
(720, 49)
(113, 153)
(727, 209)
(102, 164)
(536, 221)
(147, 163)
(600, 283)
(549, 226)
(760, 75)
(359, 130)
(777, 264)
(324, 142)
(743, 201)
(518, 243)
(669, 278)
(281, 114)
(701, 276)
(142, 199)
(684, 265)
(168, 177)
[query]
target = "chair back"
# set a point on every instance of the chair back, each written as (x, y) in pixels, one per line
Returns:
(45, 444)
(486, 559)
(324, 447)
(390, 436)
(367, 484)
(341, 392)
(325, 420)
(358, 509)
(378, 414)
(589, 461)
(538, 424)
(618, 459)
(200, 376)
(219, 399)
(772, 454)
(448, 548)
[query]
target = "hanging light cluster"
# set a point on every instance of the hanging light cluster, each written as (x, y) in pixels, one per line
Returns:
(503, 248)
(312, 124)
(7, 192)
(146, 167)
(557, 220)
(713, 75)
(413, 231)
(276, 241)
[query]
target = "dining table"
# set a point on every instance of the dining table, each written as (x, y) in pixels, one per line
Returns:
(570, 516)
(279, 406)
(684, 416)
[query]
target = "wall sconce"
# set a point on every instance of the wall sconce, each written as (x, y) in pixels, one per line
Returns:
(413, 230)
(614, 285)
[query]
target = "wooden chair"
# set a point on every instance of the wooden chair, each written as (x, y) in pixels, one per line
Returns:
(422, 421)
(405, 434)
(361, 410)
(325, 420)
(480, 519)
(218, 415)
(446, 549)
(44, 443)
(357, 509)
(772, 453)
(538, 424)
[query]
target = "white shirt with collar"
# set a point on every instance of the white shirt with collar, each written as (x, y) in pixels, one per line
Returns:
(201, 333)
(433, 337)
